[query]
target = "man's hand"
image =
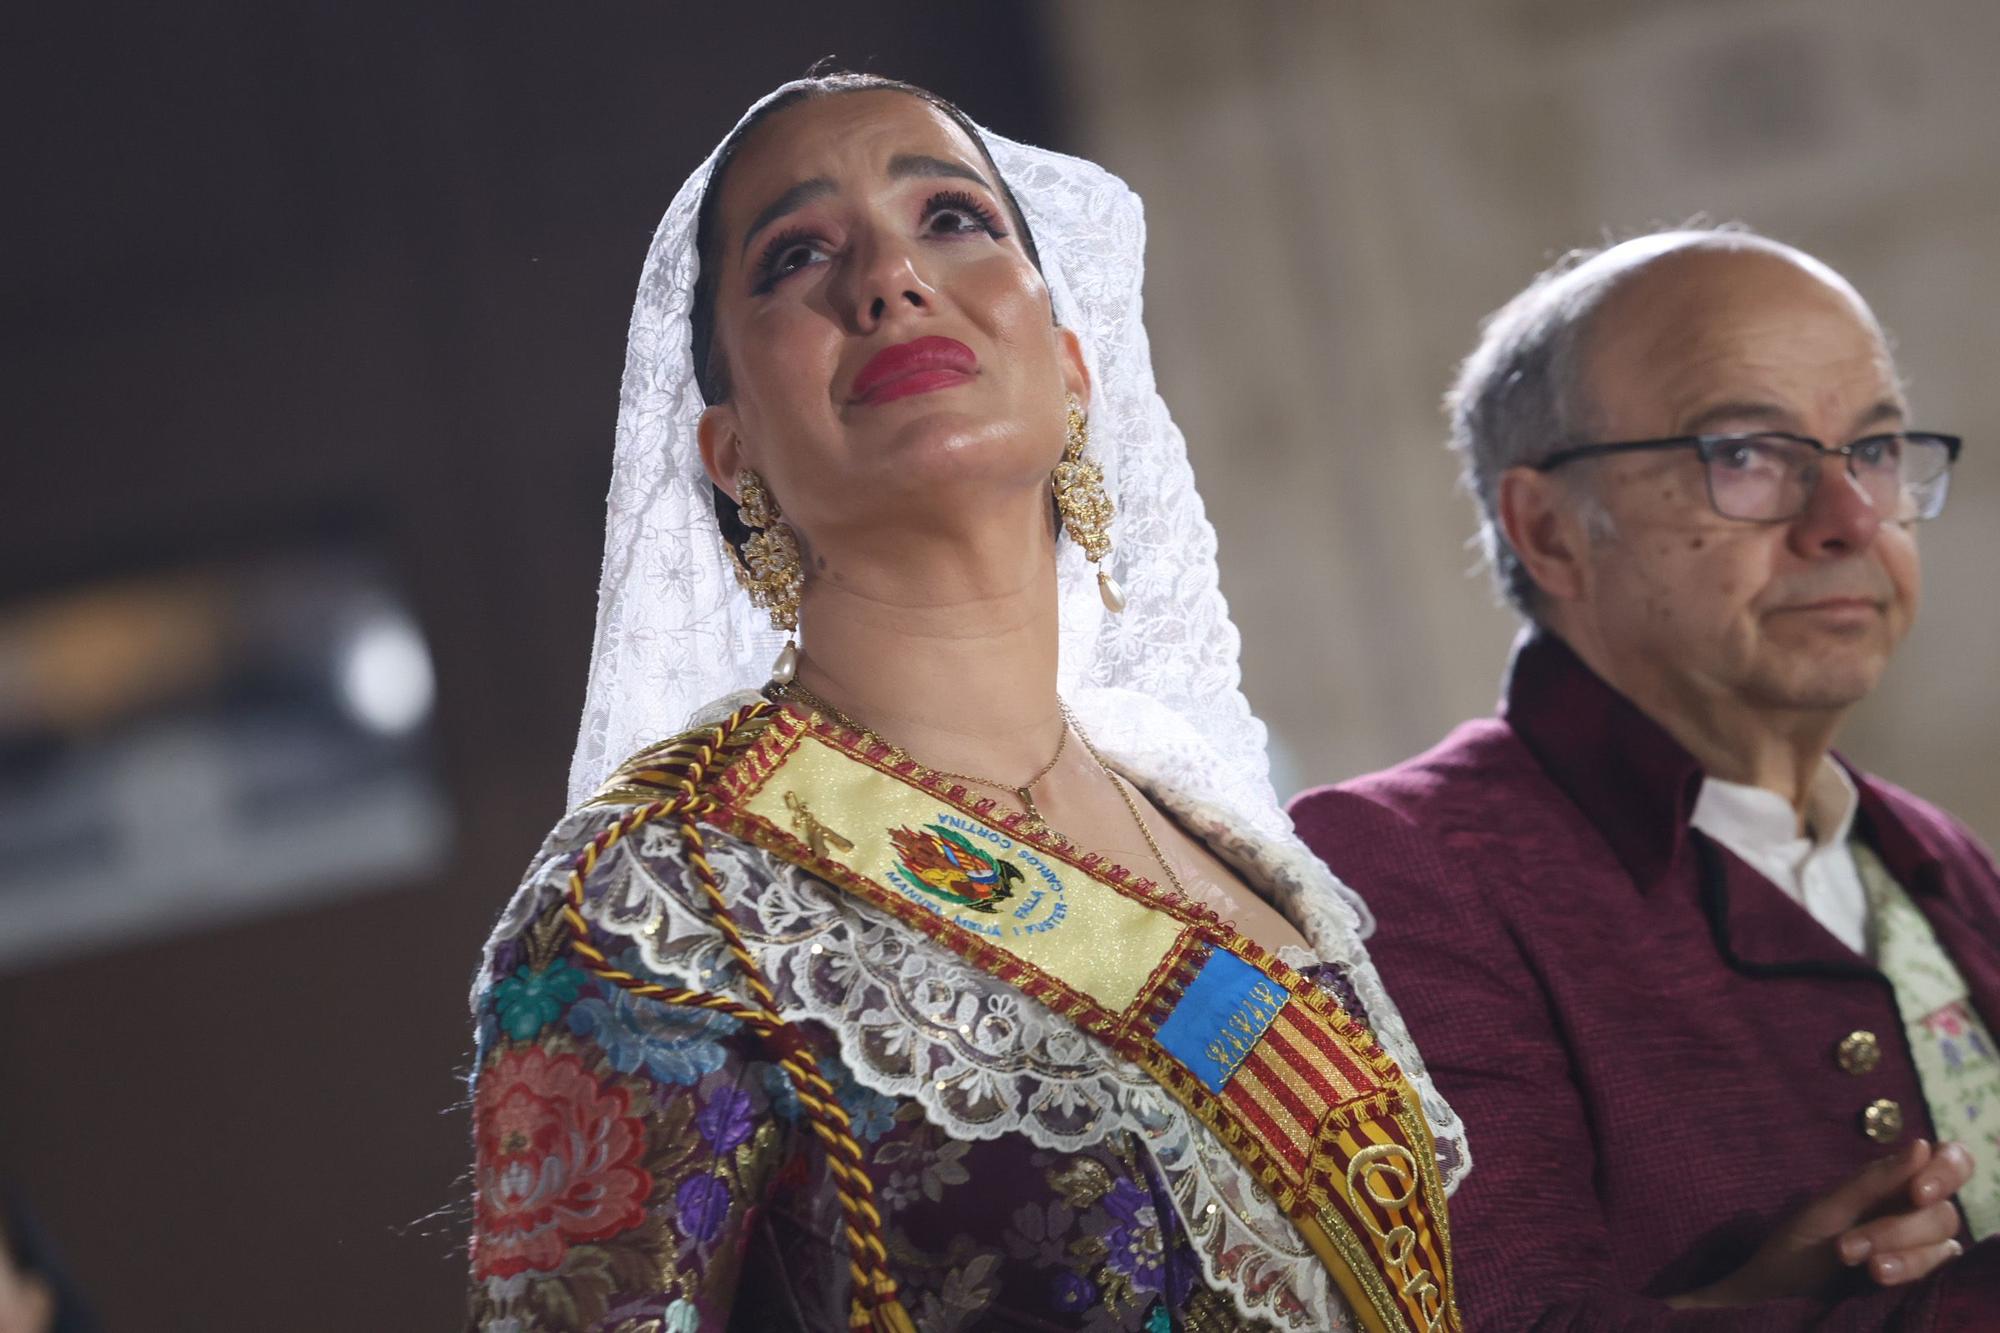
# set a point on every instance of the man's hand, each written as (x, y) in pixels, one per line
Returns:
(1895, 1215)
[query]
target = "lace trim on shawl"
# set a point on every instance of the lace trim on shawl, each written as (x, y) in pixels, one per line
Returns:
(913, 1020)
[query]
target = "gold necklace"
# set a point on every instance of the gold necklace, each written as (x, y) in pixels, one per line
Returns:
(1023, 791)
(1036, 824)
(1130, 805)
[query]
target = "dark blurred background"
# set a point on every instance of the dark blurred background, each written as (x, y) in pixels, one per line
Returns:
(318, 307)
(312, 330)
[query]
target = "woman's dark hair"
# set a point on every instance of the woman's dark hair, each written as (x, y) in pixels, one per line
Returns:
(711, 372)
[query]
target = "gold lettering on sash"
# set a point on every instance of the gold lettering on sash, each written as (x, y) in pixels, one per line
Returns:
(1377, 1159)
(1386, 1174)
(1423, 1289)
(816, 833)
(1396, 1248)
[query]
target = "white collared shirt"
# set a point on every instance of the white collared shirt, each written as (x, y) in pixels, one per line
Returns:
(1816, 870)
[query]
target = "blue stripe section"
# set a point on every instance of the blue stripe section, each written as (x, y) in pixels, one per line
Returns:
(1219, 1019)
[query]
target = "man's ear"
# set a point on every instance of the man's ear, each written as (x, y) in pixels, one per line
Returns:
(1541, 523)
(1076, 374)
(721, 446)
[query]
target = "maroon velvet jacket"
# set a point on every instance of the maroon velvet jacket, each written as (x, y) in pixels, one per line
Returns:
(1643, 1054)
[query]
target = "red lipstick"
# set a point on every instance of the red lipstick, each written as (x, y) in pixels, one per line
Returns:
(917, 366)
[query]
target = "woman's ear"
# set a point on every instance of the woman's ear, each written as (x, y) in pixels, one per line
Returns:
(1076, 374)
(721, 447)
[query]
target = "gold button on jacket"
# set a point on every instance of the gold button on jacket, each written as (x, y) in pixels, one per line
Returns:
(1858, 1052)
(1882, 1121)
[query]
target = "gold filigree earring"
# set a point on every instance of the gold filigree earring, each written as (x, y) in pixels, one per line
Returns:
(1086, 510)
(770, 569)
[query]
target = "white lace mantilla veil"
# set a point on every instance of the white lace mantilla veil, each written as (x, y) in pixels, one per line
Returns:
(1156, 688)
(675, 632)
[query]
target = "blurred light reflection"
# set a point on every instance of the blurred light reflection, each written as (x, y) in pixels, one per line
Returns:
(182, 745)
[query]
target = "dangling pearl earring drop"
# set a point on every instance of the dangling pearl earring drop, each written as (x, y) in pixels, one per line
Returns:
(786, 668)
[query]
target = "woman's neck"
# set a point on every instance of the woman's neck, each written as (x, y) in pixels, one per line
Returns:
(955, 663)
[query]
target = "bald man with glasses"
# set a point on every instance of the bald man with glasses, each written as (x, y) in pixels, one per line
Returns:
(1717, 1007)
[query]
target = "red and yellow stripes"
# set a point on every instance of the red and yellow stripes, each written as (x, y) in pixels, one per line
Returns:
(1288, 1083)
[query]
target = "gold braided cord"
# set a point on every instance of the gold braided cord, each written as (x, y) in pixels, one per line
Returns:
(874, 1304)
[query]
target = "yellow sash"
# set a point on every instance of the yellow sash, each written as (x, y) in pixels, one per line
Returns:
(1300, 1093)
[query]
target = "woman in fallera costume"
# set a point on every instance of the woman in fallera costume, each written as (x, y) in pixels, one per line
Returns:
(968, 976)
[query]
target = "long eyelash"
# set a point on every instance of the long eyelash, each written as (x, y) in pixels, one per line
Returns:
(965, 203)
(767, 258)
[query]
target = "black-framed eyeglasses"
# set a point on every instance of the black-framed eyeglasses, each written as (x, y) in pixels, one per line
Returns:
(1770, 476)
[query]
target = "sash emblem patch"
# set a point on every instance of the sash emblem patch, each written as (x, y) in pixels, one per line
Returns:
(940, 861)
(1223, 1012)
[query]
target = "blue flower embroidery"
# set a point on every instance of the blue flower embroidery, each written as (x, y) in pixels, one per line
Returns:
(675, 1045)
(1074, 1292)
(725, 1121)
(531, 999)
(702, 1203)
(873, 1114)
(1134, 1237)
(777, 1085)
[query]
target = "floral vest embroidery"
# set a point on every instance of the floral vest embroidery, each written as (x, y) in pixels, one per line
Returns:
(1298, 1092)
(1957, 1064)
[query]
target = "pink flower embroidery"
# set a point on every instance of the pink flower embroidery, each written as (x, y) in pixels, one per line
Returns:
(558, 1162)
(1948, 1021)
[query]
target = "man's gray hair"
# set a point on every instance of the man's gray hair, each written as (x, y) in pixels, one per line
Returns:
(1521, 395)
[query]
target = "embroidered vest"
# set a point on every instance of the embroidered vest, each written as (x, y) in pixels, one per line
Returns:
(1300, 1093)
(1951, 1046)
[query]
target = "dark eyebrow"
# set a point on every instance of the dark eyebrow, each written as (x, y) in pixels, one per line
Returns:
(905, 165)
(790, 201)
(1768, 415)
(1886, 412)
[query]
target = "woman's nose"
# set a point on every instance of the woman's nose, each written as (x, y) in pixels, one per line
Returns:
(879, 307)
(888, 280)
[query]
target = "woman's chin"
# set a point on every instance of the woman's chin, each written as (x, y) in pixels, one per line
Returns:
(942, 449)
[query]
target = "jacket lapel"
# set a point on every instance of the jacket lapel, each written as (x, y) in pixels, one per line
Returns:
(1758, 929)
